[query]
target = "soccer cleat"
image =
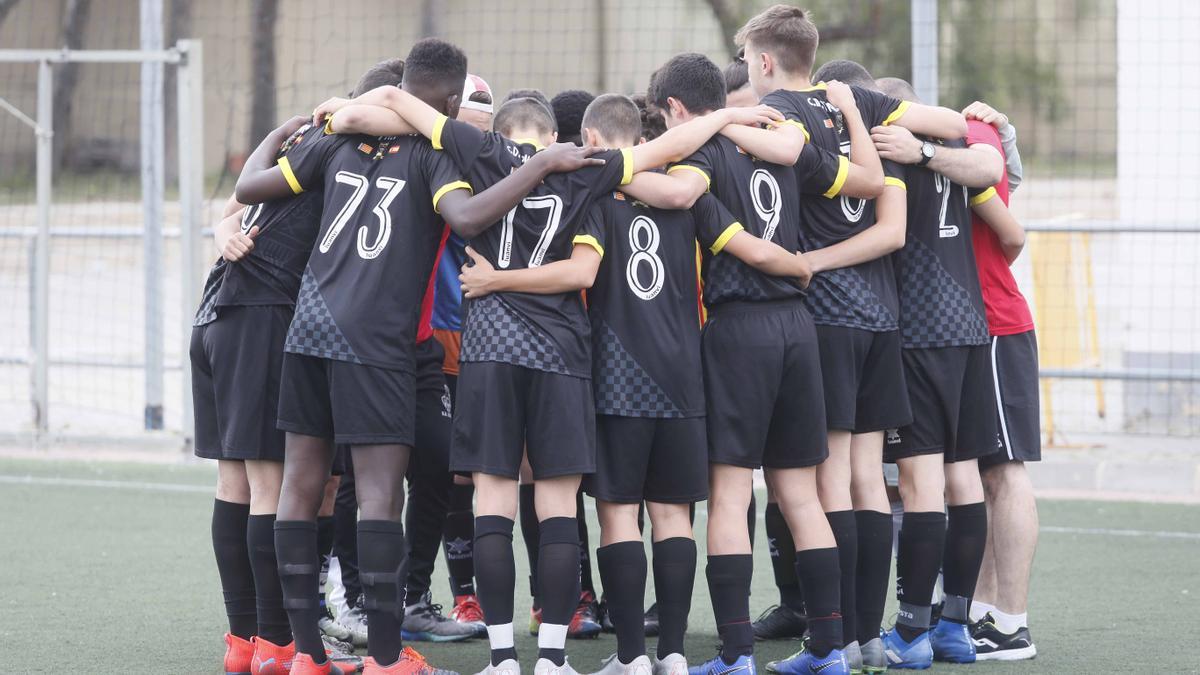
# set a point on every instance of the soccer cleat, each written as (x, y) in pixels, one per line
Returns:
(303, 664)
(238, 655)
(744, 665)
(805, 662)
(952, 642)
(329, 626)
(424, 622)
(613, 666)
(342, 654)
(651, 621)
(780, 622)
(854, 658)
(547, 667)
(506, 667)
(270, 658)
(585, 623)
(671, 664)
(468, 612)
(915, 655)
(410, 663)
(606, 623)
(873, 659)
(355, 621)
(535, 620)
(992, 644)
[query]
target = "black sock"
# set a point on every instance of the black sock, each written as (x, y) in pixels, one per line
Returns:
(623, 573)
(729, 587)
(229, 522)
(966, 537)
(496, 574)
(674, 578)
(345, 534)
(783, 559)
(820, 577)
(273, 623)
(585, 553)
(874, 567)
(458, 540)
(529, 534)
(299, 575)
(381, 564)
(325, 532)
(922, 537)
(845, 533)
(558, 579)
(428, 503)
(752, 519)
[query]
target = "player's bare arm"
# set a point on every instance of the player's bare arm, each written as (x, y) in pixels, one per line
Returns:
(1008, 230)
(231, 242)
(976, 166)
(365, 114)
(480, 278)
(665, 191)
(261, 179)
(768, 257)
(469, 215)
(878, 240)
(685, 139)
(929, 120)
(780, 143)
(864, 178)
(1008, 139)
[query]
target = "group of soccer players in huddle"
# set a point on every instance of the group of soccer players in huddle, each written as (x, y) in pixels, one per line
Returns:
(784, 277)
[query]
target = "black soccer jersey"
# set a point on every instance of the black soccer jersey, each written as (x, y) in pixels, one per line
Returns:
(361, 294)
(941, 304)
(862, 296)
(270, 274)
(644, 306)
(543, 332)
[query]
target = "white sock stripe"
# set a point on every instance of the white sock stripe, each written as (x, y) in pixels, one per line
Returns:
(552, 636)
(500, 636)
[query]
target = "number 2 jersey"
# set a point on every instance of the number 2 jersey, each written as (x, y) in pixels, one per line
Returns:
(538, 331)
(862, 296)
(644, 306)
(941, 304)
(270, 274)
(361, 294)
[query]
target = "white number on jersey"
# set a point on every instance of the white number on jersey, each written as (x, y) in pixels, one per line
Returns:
(942, 184)
(249, 215)
(768, 213)
(551, 203)
(853, 208)
(391, 188)
(643, 239)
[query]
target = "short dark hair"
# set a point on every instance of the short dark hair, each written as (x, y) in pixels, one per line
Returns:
(846, 71)
(897, 88)
(535, 94)
(737, 75)
(381, 74)
(437, 66)
(692, 79)
(569, 107)
(523, 113)
(653, 124)
(787, 34)
(615, 117)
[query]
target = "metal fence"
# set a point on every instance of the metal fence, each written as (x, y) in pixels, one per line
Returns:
(100, 256)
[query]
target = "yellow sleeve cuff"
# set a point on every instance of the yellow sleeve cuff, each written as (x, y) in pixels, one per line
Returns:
(290, 176)
(803, 128)
(329, 125)
(983, 196)
(894, 182)
(688, 167)
(719, 244)
(589, 240)
(840, 179)
(627, 167)
(438, 125)
(897, 113)
(448, 188)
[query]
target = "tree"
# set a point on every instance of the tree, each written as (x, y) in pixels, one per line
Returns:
(6, 7)
(264, 15)
(179, 27)
(75, 19)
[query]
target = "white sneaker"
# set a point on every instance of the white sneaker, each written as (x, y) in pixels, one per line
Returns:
(547, 667)
(506, 667)
(355, 621)
(671, 664)
(639, 666)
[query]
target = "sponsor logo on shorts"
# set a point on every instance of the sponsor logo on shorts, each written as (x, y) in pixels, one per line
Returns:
(893, 436)
(446, 409)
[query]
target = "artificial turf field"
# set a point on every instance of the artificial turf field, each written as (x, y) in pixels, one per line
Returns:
(109, 569)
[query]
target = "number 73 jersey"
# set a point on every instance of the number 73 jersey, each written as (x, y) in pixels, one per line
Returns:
(361, 294)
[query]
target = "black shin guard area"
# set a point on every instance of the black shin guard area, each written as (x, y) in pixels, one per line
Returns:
(729, 587)
(229, 522)
(783, 559)
(820, 577)
(273, 623)
(845, 534)
(966, 537)
(530, 529)
(458, 541)
(922, 538)
(674, 578)
(296, 550)
(496, 572)
(558, 569)
(874, 567)
(623, 573)
(381, 557)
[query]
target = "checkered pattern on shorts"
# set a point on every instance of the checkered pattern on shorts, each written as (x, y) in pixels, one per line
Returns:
(494, 332)
(313, 331)
(842, 297)
(207, 313)
(935, 310)
(622, 387)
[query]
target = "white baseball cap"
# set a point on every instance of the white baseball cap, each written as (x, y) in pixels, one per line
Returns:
(472, 87)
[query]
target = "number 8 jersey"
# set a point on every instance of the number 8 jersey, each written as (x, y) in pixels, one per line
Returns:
(361, 294)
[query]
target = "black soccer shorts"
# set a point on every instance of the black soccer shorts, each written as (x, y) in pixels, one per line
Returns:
(864, 380)
(651, 459)
(236, 367)
(953, 403)
(349, 403)
(1018, 400)
(502, 410)
(762, 381)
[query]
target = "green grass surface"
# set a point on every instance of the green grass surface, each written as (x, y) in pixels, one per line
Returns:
(119, 578)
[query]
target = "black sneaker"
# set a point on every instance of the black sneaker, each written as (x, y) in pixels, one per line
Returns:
(651, 621)
(605, 620)
(780, 622)
(991, 644)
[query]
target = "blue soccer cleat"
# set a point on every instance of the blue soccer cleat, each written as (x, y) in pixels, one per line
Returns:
(744, 665)
(805, 662)
(952, 642)
(915, 655)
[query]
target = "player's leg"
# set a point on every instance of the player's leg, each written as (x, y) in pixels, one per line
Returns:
(730, 561)
(786, 619)
(495, 573)
(586, 621)
(873, 516)
(529, 536)
(458, 540)
(265, 479)
(231, 510)
(345, 548)
(674, 549)
(833, 488)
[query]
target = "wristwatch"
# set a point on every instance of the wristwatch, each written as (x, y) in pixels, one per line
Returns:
(927, 151)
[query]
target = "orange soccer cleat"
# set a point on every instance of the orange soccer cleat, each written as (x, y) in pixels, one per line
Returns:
(410, 663)
(238, 654)
(303, 664)
(271, 659)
